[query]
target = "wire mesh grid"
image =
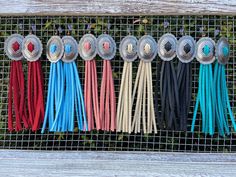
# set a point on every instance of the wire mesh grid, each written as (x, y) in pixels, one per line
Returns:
(118, 27)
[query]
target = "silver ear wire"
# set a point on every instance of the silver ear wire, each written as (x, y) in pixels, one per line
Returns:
(33, 28)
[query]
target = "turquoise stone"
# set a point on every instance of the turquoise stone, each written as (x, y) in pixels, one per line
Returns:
(206, 50)
(53, 48)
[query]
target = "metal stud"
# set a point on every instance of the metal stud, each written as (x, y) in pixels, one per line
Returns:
(88, 47)
(32, 47)
(128, 48)
(222, 50)
(147, 48)
(70, 49)
(13, 47)
(106, 47)
(205, 50)
(186, 49)
(55, 49)
(167, 47)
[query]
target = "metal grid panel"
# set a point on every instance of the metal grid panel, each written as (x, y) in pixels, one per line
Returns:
(117, 27)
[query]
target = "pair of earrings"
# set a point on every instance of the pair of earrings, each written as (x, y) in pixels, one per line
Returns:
(17, 47)
(65, 97)
(175, 85)
(213, 95)
(101, 111)
(141, 97)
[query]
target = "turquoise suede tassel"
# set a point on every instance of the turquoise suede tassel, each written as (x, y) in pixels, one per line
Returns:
(206, 99)
(222, 101)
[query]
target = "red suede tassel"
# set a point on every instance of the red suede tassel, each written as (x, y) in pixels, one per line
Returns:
(107, 99)
(16, 98)
(91, 95)
(35, 94)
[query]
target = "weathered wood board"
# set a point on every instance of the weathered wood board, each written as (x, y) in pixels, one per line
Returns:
(82, 163)
(118, 7)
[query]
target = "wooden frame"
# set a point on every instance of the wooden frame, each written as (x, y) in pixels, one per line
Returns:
(117, 7)
(53, 163)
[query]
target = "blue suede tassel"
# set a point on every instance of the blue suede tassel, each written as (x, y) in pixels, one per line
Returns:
(65, 99)
(73, 102)
(55, 95)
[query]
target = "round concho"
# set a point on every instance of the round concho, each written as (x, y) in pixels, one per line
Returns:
(106, 47)
(186, 49)
(167, 47)
(13, 47)
(128, 48)
(205, 50)
(55, 49)
(70, 49)
(147, 48)
(32, 47)
(88, 47)
(222, 50)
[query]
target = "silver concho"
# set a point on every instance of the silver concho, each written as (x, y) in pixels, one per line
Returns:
(167, 47)
(106, 47)
(13, 47)
(205, 50)
(32, 47)
(222, 50)
(147, 48)
(128, 48)
(70, 49)
(88, 47)
(55, 49)
(186, 49)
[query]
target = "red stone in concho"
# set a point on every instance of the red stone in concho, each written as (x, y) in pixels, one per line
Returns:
(30, 47)
(15, 46)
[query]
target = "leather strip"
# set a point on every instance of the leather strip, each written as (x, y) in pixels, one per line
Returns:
(91, 95)
(124, 108)
(222, 106)
(144, 101)
(107, 99)
(54, 104)
(35, 94)
(184, 79)
(170, 106)
(16, 98)
(206, 99)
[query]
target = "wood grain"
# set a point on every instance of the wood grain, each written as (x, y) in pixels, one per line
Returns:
(117, 7)
(83, 163)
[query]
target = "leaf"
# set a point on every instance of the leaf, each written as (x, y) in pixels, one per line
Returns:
(47, 25)
(141, 28)
(120, 137)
